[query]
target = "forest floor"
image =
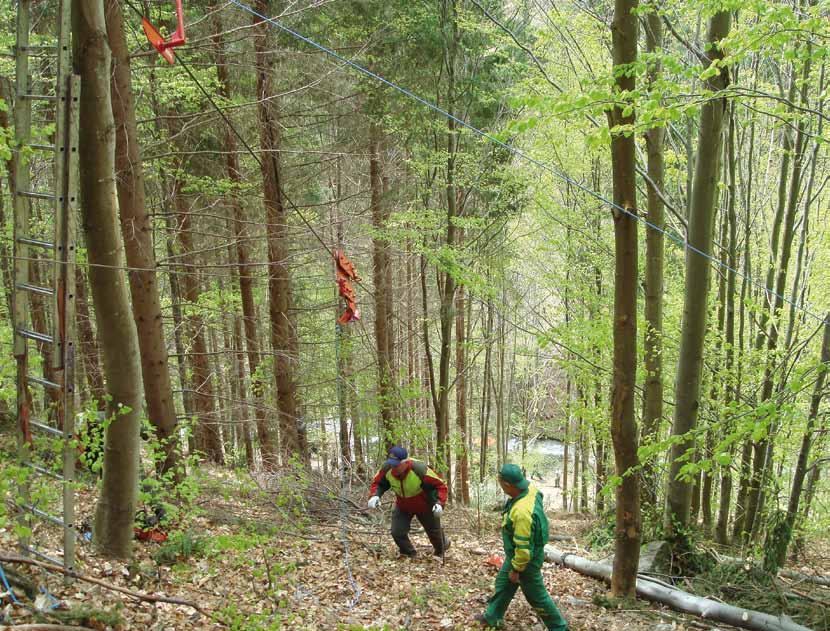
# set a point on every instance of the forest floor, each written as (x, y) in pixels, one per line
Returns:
(261, 555)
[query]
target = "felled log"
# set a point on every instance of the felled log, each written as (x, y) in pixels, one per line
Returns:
(657, 591)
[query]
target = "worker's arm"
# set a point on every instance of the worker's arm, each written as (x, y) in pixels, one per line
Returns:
(379, 483)
(522, 526)
(433, 486)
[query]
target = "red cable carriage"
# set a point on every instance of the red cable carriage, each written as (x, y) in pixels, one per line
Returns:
(164, 47)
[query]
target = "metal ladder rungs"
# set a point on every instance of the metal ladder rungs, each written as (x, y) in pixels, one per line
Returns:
(46, 245)
(35, 289)
(45, 557)
(43, 382)
(39, 97)
(34, 335)
(44, 471)
(36, 195)
(41, 147)
(36, 49)
(54, 431)
(43, 515)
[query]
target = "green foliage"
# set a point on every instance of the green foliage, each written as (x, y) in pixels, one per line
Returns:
(180, 546)
(779, 534)
(601, 535)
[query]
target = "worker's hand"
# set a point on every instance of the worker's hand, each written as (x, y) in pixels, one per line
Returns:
(374, 501)
(437, 510)
(514, 576)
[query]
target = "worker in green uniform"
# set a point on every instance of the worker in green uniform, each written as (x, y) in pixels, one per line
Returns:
(524, 533)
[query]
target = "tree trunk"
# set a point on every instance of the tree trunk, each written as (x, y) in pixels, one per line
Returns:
(442, 420)
(729, 333)
(806, 444)
(653, 305)
(207, 437)
(116, 328)
(383, 299)
(88, 341)
(762, 449)
(265, 436)
(239, 367)
(698, 267)
(623, 424)
(284, 343)
(462, 464)
(137, 231)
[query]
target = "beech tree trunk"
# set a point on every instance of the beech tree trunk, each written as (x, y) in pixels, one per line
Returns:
(116, 328)
(137, 231)
(698, 268)
(762, 449)
(729, 333)
(627, 534)
(800, 471)
(653, 282)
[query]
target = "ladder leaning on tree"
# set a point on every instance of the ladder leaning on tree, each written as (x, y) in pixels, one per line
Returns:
(45, 206)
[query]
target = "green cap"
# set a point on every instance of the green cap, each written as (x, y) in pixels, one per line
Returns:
(513, 475)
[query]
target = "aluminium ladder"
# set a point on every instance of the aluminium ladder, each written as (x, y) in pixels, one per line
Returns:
(45, 207)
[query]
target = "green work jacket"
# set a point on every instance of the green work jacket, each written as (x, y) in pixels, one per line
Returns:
(524, 529)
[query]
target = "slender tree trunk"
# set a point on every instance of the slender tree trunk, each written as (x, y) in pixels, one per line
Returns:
(762, 449)
(653, 305)
(116, 328)
(486, 387)
(447, 316)
(623, 425)
(698, 267)
(284, 343)
(137, 231)
(206, 434)
(267, 445)
(729, 333)
(806, 444)
(244, 410)
(746, 451)
(462, 460)
(380, 269)
(87, 340)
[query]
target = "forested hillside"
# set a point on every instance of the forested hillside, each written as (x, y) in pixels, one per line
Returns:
(586, 238)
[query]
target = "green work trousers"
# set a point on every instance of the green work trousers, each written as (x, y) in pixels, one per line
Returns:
(533, 587)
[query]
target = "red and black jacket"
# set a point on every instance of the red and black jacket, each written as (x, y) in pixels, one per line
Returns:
(416, 490)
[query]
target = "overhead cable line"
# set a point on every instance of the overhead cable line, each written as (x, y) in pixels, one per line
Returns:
(521, 154)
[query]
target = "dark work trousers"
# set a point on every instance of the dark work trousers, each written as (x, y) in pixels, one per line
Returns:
(400, 531)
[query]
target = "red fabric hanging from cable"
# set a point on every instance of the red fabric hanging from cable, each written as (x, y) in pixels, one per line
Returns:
(345, 274)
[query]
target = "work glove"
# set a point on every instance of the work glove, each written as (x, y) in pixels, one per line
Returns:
(437, 510)
(374, 501)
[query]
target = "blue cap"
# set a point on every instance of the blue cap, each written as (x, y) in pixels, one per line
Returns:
(396, 454)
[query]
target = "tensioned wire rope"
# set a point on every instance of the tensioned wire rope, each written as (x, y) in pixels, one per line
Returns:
(523, 155)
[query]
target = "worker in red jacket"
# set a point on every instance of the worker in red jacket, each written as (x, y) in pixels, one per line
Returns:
(419, 492)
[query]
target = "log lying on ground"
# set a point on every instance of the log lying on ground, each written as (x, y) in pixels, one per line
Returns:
(657, 591)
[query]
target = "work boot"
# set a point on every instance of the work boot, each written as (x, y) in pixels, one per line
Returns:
(407, 555)
(482, 621)
(438, 553)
